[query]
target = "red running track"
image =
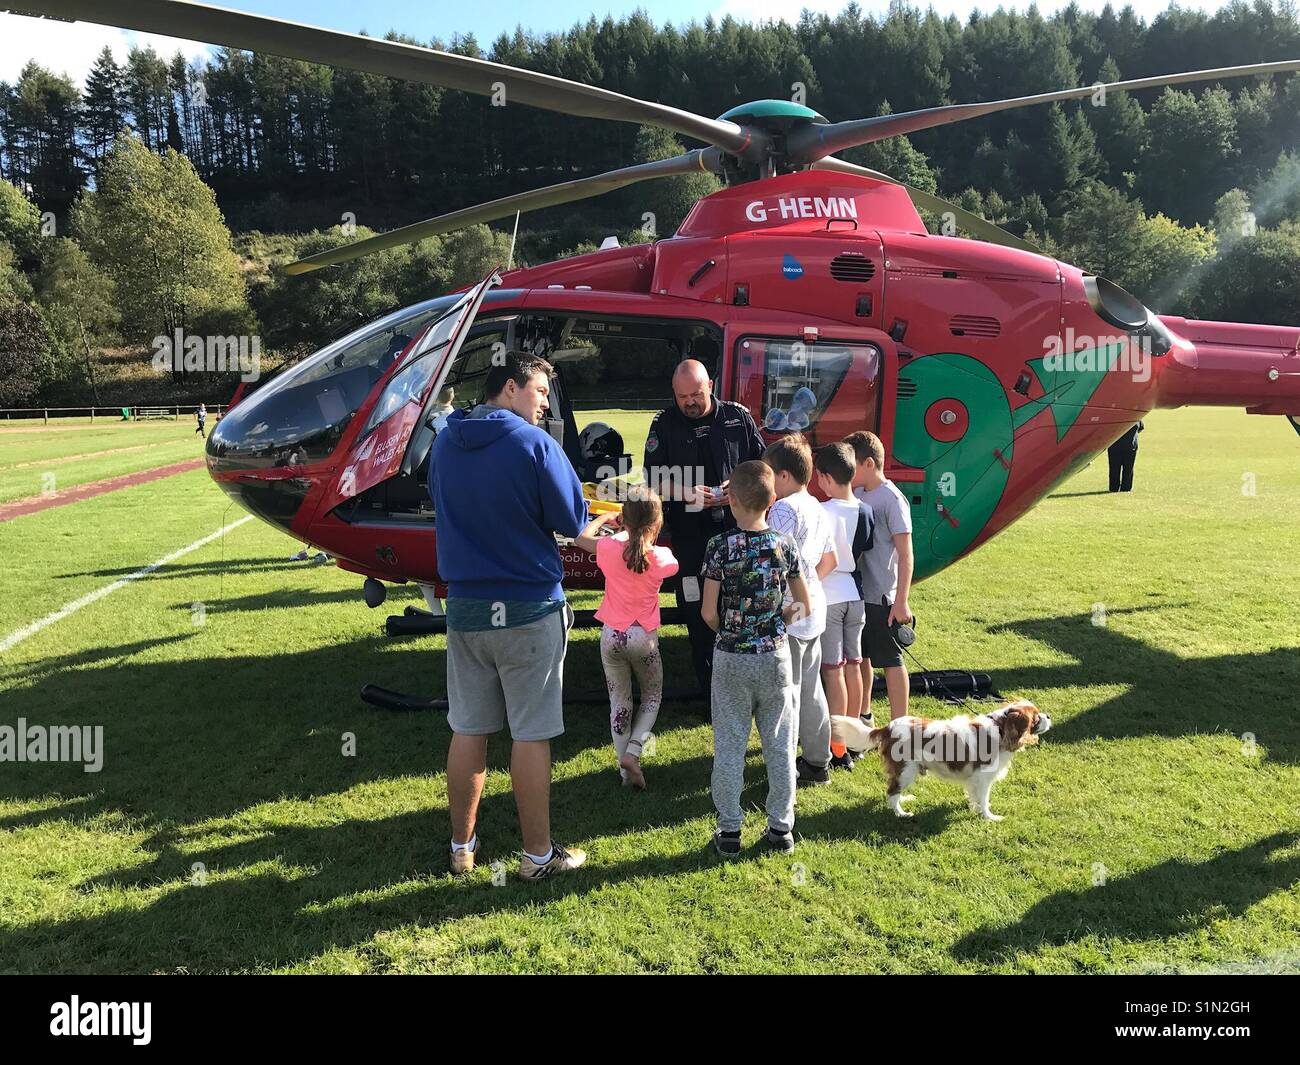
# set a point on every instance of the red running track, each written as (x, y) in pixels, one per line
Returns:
(33, 504)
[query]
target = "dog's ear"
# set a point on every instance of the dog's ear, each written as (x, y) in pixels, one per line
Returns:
(1014, 725)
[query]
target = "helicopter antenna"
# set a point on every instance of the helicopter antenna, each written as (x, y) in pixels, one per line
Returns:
(510, 259)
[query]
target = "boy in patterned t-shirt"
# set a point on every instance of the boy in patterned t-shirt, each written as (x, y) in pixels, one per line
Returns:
(746, 574)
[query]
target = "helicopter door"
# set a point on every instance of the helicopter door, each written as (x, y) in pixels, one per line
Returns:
(378, 451)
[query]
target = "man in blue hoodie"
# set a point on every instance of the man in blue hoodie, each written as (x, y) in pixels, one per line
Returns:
(501, 489)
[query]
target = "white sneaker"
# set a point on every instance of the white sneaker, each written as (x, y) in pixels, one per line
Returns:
(562, 861)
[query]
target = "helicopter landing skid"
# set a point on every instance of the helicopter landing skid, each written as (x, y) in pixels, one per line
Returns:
(391, 700)
(415, 621)
(950, 685)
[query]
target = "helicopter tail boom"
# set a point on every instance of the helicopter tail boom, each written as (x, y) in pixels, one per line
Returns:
(1227, 364)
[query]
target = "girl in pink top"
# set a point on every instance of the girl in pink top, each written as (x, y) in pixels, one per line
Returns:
(634, 568)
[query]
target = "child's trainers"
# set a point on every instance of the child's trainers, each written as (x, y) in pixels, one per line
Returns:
(778, 840)
(843, 761)
(561, 861)
(726, 843)
(811, 774)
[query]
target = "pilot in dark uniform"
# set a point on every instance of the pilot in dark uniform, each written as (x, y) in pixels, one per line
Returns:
(692, 447)
(1123, 454)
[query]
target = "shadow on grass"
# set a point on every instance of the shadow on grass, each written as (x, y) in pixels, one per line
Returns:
(1164, 900)
(270, 919)
(188, 742)
(1166, 694)
(177, 570)
(283, 598)
(89, 657)
(212, 738)
(337, 886)
(877, 824)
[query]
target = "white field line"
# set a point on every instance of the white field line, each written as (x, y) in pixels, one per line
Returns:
(15, 638)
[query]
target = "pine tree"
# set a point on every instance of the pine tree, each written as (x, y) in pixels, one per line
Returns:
(147, 96)
(1069, 156)
(102, 107)
(1193, 144)
(1120, 125)
(41, 135)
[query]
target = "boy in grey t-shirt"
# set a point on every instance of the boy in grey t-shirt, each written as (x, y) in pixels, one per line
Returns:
(886, 571)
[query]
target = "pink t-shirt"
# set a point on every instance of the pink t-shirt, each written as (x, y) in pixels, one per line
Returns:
(631, 598)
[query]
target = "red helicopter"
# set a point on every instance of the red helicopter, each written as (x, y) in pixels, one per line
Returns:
(810, 287)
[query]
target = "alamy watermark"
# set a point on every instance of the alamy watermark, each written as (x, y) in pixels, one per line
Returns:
(193, 353)
(687, 484)
(979, 745)
(53, 743)
(115, 1019)
(1077, 353)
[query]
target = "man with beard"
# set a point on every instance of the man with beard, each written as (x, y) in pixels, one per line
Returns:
(690, 452)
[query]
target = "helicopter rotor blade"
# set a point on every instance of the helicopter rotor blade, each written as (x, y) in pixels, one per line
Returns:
(700, 159)
(812, 142)
(968, 220)
(294, 40)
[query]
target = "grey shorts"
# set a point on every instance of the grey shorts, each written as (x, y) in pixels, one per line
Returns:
(842, 640)
(511, 675)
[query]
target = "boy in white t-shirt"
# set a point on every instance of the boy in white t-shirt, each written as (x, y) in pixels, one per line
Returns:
(798, 514)
(851, 528)
(886, 570)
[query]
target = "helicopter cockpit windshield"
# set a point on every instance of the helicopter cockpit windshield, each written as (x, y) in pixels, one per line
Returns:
(298, 416)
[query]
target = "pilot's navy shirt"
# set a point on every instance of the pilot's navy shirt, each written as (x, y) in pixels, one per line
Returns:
(710, 448)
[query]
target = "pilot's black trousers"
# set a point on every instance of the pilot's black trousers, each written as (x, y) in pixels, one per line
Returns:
(689, 550)
(1121, 467)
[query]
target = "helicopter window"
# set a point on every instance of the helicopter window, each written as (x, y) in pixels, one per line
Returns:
(410, 381)
(299, 415)
(792, 385)
(373, 347)
(475, 360)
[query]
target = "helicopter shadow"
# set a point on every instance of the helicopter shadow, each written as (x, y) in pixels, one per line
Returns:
(1169, 899)
(1165, 693)
(178, 570)
(281, 599)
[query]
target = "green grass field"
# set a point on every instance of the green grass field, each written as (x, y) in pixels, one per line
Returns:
(1155, 827)
(69, 452)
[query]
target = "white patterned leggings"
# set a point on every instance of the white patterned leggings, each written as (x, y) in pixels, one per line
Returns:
(622, 654)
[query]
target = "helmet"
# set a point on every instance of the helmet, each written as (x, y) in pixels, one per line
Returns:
(600, 441)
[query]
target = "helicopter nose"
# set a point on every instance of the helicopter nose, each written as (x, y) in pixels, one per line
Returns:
(259, 477)
(262, 453)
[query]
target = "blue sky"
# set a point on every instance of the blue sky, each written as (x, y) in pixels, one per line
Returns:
(71, 49)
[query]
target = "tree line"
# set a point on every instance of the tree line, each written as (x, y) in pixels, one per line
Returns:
(1190, 197)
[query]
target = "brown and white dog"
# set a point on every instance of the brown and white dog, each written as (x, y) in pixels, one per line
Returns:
(975, 750)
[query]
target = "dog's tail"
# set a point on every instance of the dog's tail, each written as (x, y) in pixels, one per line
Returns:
(856, 734)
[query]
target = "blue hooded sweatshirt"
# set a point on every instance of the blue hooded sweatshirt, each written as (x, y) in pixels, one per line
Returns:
(501, 488)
